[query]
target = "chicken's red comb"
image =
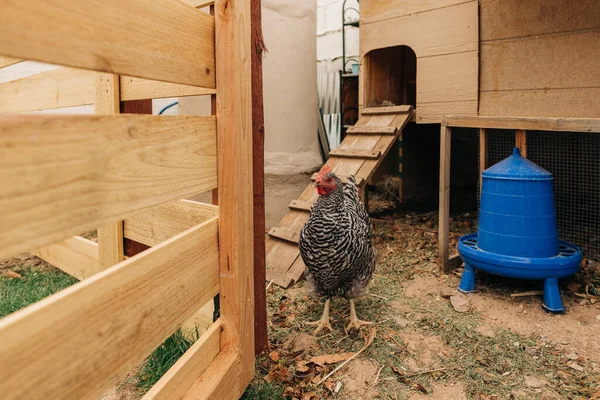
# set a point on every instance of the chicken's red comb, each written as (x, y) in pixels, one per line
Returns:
(324, 171)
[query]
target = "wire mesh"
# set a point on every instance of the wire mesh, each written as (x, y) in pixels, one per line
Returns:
(573, 160)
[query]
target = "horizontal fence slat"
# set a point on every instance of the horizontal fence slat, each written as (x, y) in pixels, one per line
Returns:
(164, 40)
(167, 220)
(220, 381)
(66, 175)
(199, 3)
(63, 87)
(182, 375)
(78, 342)
(133, 88)
(77, 256)
(6, 61)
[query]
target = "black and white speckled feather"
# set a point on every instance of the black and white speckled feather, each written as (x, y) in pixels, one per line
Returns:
(335, 243)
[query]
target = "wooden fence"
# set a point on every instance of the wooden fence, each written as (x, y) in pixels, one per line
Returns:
(126, 175)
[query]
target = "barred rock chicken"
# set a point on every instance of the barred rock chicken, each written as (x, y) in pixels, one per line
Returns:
(336, 246)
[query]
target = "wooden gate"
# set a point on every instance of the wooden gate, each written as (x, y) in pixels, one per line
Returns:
(126, 175)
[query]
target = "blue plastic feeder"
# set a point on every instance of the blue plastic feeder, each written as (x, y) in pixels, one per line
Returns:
(517, 235)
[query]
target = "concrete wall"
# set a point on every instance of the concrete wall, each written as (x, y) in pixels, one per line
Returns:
(329, 34)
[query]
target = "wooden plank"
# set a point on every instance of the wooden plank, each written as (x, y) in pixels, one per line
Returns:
(386, 110)
(521, 141)
(444, 213)
(515, 18)
(448, 78)
(378, 10)
(95, 331)
(429, 113)
(359, 181)
(180, 48)
(483, 155)
(261, 339)
(440, 31)
(275, 277)
(65, 175)
(220, 380)
(350, 153)
(162, 222)
(77, 256)
(284, 234)
(533, 62)
(372, 130)
(133, 88)
(300, 205)
(199, 3)
(63, 87)
(6, 61)
(530, 124)
(235, 193)
(110, 236)
(182, 375)
(556, 103)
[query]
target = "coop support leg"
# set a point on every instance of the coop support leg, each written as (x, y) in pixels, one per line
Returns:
(552, 300)
(467, 283)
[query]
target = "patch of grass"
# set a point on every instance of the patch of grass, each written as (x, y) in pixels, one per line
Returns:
(162, 359)
(261, 390)
(34, 285)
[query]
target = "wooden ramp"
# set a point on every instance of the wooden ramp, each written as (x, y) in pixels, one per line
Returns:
(360, 153)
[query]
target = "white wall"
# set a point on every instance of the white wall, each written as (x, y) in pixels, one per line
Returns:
(290, 86)
(329, 34)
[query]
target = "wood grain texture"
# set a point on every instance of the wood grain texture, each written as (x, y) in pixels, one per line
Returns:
(530, 124)
(300, 205)
(386, 110)
(65, 175)
(514, 18)
(120, 317)
(182, 375)
(460, 79)
(63, 87)
(110, 236)
(178, 47)
(285, 234)
(378, 10)
(521, 141)
(372, 130)
(261, 340)
(439, 31)
(133, 88)
(483, 155)
(444, 205)
(553, 103)
(6, 61)
(433, 113)
(561, 61)
(352, 153)
(162, 222)
(235, 364)
(76, 256)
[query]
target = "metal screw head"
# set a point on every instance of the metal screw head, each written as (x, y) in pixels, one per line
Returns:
(589, 128)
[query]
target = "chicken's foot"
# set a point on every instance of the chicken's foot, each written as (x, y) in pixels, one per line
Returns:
(354, 321)
(324, 321)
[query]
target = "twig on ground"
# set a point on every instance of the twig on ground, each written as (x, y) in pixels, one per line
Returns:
(367, 344)
(378, 296)
(378, 373)
(530, 293)
(269, 285)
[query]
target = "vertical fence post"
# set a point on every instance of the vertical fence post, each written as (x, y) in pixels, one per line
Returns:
(110, 237)
(521, 141)
(444, 213)
(261, 342)
(483, 156)
(235, 189)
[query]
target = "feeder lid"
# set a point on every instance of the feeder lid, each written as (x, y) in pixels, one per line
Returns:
(517, 167)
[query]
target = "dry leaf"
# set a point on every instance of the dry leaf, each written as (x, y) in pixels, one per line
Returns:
(330, 358)
(12, 274)
(302, 369)
(274, 356)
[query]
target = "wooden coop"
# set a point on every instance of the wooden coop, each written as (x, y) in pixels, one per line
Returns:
(160, 262)
(497, 74)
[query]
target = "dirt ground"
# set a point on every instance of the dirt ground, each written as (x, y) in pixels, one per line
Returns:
(497, 347)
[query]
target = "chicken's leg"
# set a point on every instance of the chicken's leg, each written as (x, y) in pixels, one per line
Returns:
(324, 321)
(354, 321)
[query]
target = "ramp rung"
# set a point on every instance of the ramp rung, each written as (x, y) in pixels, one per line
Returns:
(300, 205)
(372, 130)
(351, 153)
(285, 234)
(359, 180)
(387, 110)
